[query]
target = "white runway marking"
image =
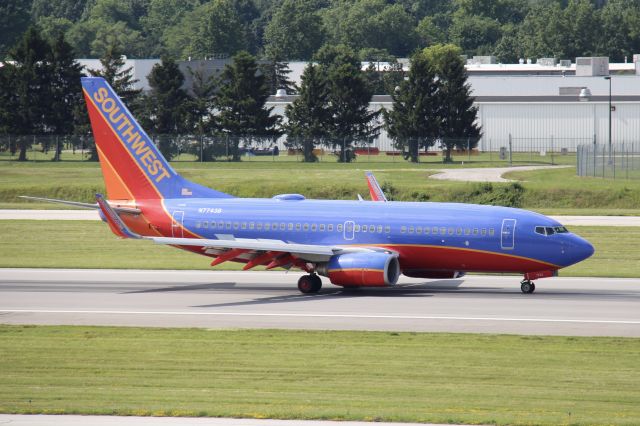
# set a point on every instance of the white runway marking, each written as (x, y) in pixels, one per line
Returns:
(353, 316)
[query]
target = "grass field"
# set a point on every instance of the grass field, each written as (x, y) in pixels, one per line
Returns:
(90, 244)
(374, 376)
(553, 192)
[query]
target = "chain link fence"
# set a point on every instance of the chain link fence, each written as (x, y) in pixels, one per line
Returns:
(615, 161)
(206, 148)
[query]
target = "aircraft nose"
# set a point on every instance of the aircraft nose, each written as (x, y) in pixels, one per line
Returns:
(581, 250)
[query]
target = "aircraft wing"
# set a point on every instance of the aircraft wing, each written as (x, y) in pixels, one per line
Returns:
(252, 251)
(374, 188)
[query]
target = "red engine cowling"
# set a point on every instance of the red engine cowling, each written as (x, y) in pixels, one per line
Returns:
(374, 269)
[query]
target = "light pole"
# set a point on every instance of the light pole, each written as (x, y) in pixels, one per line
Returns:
(609, 78)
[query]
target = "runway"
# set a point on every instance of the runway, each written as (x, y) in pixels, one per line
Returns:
(478, 304)
(9, 214)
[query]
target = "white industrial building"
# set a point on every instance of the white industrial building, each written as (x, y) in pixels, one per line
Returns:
(538, 106)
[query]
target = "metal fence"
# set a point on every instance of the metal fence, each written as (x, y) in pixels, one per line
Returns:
(615, 161)
(206, 148)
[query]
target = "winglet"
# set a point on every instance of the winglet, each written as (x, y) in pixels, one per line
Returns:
(374, 188)
(116, 224)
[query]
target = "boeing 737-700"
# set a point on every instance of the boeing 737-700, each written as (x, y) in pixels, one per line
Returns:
(352, 243)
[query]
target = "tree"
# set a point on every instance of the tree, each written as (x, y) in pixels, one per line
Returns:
(65, 90)
(348, 96)
(371, 23)
(27, 102)
(120, 78)
(413, 122)
(14, 20)
(456, 113)
(241, 104)
(167, 104)
(620, 37)
(294, 32)
(163, 14)
(308, 116)
(277, 74)
(109, 22)
(212, 29)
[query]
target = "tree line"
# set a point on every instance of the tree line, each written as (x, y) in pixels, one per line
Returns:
(297, 29)
(40, 94)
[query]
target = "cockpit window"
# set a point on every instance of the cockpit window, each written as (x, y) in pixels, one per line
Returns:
(550, 230)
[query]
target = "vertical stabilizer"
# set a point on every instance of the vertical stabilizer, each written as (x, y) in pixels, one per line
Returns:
(132, 166)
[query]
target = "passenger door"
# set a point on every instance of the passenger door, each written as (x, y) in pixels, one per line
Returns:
(176, 224)
(507, 234)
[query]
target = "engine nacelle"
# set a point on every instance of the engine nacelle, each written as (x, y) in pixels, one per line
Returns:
(374, 269)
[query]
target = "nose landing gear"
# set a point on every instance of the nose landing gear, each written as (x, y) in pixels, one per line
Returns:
(527, 286)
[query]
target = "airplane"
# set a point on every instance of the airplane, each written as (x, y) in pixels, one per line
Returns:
(352, 243)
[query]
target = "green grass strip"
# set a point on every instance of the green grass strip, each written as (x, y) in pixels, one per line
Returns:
(90, 244)
(412, 377)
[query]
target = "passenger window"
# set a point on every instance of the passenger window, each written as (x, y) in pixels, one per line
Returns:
(403, 229)
(459, 231)
(298, 227)
(330, 227)
(364, 228)
(492, 232)
(467, 231)
(321, 227)
(418, 230)
(259, 226)
(290, 227)
(339, 228)
(314, 227)
(411, 229)
(475, 231)
(198, 224)
(372, 228)
(443, 231)
(213, 224)
(426, 230)
(305, 227)
(228, 225)
(387, 229)
(220, 225)
(357, 228)
(434, 230)
(205, 225)
(484, 232)
(450, 231)
(236, 225)
(379, 229)
(251, 225)
(244, 225)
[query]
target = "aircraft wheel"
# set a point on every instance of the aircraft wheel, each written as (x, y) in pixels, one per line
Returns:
(317, 283)
(527, 287)
(307, 284)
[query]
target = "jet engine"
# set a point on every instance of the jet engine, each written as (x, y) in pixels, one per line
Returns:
(372, 269)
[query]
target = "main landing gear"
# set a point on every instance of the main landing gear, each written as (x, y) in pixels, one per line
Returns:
(527, 286)
(309, 284)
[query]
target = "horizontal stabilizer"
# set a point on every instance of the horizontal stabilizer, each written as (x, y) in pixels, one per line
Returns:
(95, 206)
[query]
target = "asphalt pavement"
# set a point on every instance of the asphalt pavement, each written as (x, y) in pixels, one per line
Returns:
(477, 304)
